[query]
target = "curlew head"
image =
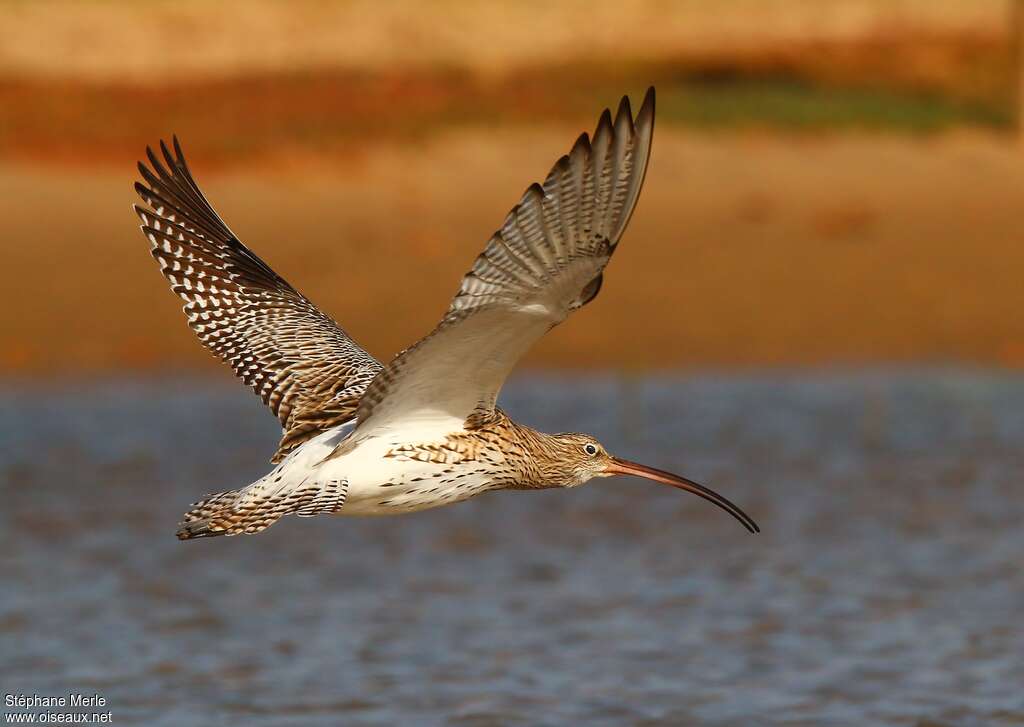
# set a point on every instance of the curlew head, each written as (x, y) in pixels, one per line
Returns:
(578, 458)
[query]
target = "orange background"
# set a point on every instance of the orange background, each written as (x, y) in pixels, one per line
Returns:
(833, 182)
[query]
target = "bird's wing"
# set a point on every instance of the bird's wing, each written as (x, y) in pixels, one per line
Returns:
(300, 362)
(545, 262)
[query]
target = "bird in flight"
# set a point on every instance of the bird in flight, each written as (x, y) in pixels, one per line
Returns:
(362, 438)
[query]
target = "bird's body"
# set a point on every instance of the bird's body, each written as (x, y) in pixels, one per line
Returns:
(411, 471)
(424, 430)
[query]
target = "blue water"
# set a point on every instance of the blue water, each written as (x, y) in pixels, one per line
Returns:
(886, 587)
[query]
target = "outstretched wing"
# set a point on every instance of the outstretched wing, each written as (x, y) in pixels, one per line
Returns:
(545, 262)
(299, 361)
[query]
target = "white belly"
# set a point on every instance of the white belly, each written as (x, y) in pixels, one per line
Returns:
(380, 484)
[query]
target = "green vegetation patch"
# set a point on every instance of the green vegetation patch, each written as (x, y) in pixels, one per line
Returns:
(791, 104)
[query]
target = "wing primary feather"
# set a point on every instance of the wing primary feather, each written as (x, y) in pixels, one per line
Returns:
(577, 173)
(601, 171)
(624, 118)
(171, 193)
(154, 200)
(554, 187)
(529, 217)
(541, 219)
(187, 176)
(157, 166)
(644, 133)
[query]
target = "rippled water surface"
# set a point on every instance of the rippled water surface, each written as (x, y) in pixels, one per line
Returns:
(886, 587)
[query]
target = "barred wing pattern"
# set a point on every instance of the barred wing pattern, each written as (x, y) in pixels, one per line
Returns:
(546, 261)
(299, 361)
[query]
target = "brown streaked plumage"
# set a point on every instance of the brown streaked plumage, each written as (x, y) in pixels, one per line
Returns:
(423, 431)
(300, 362)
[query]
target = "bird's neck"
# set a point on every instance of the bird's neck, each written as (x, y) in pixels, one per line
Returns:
(532, 457)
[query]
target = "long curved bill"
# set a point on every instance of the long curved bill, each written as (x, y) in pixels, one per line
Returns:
(625, 467)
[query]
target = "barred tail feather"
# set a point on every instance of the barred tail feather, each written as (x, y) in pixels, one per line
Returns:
(254, 508)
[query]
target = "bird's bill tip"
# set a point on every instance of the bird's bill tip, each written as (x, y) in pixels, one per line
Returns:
(619, 466)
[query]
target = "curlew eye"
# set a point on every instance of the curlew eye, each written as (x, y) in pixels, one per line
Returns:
(590, 449)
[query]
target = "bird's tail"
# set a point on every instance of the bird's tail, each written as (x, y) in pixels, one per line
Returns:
(255, 508)
(214, 515)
